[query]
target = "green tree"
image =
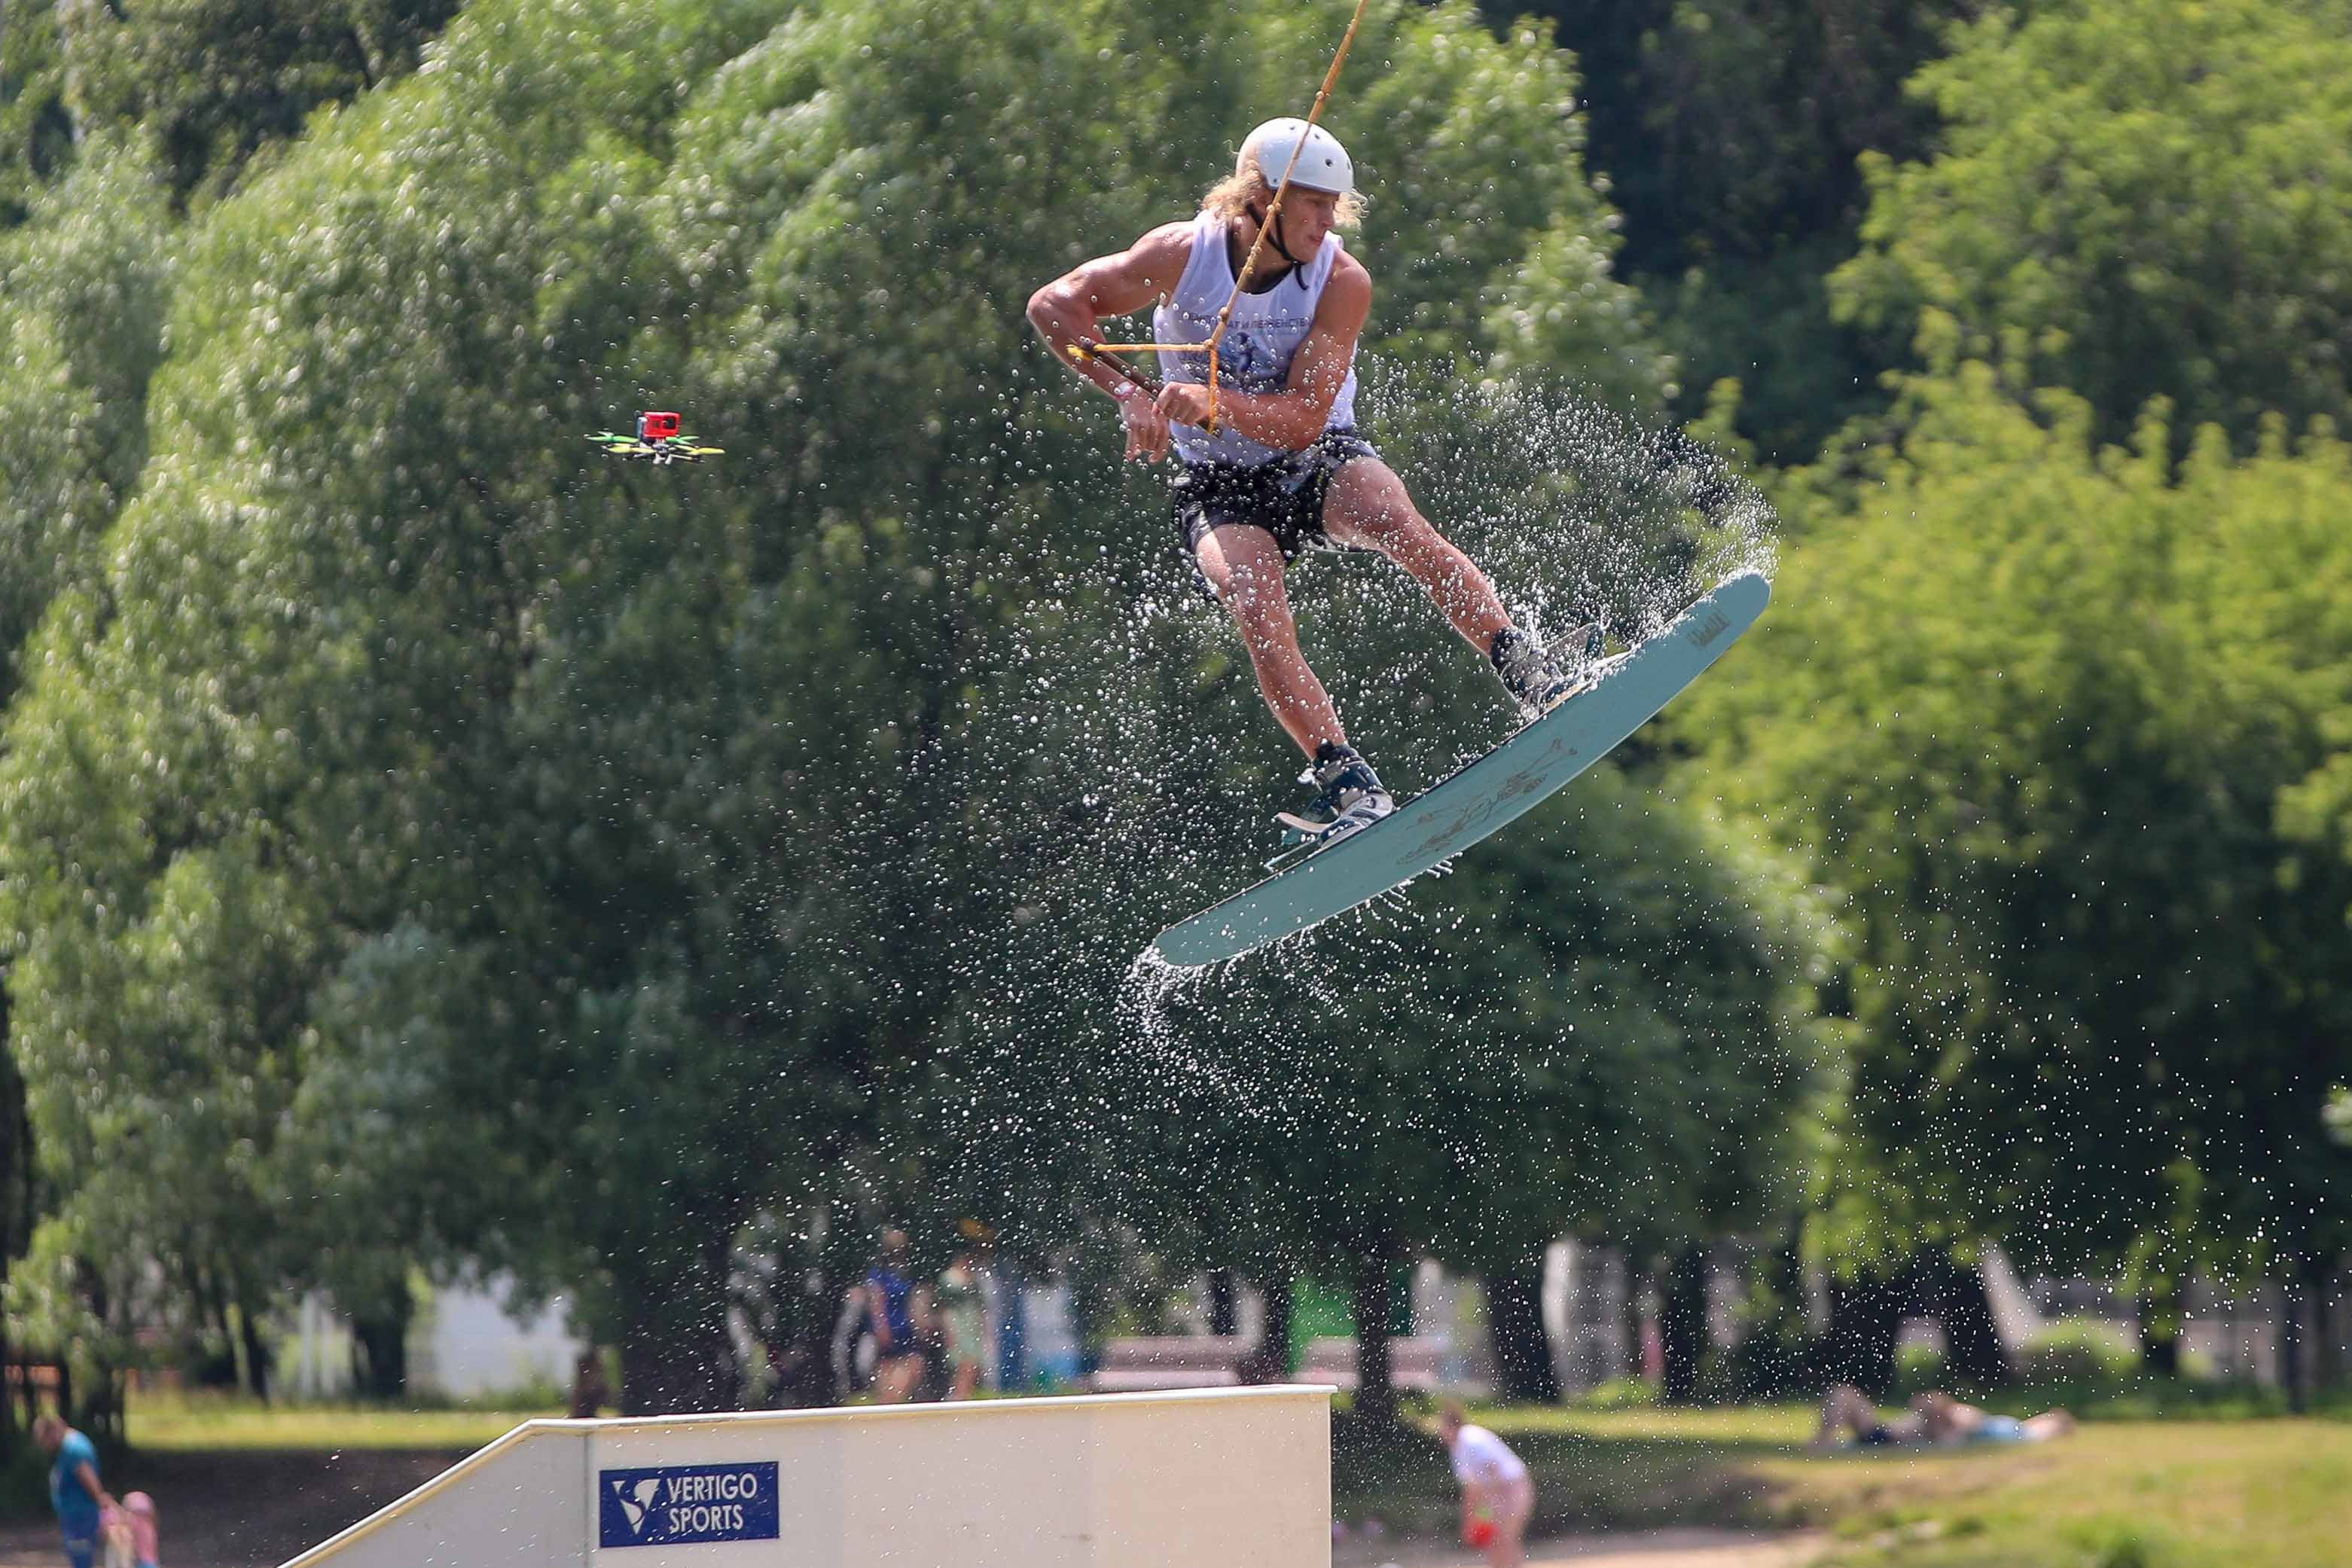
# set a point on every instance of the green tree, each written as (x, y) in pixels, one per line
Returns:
(1474, 154)
(1730, 130)
(36, 129)
(421, 835)
(1728, 133)
(264, 731)
(85, 284)
(211, 83)
(2040, 703)
(2148, 200)
(876, 694)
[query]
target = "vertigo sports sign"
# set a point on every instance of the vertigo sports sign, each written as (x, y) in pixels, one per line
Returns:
(678, 1505)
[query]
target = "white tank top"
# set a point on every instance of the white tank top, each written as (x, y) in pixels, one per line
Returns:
(1257, 348)
(1480, 1455)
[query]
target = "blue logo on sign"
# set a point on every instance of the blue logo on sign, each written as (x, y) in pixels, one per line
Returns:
(675, 1505)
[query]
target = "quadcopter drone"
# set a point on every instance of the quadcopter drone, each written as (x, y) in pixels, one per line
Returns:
(657, 440)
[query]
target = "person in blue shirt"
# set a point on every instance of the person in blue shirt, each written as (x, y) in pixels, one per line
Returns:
(75, 1490)
(894, 1312)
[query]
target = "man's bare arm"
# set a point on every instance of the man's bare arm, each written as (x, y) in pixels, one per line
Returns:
(1071, 308)
(85, 1474)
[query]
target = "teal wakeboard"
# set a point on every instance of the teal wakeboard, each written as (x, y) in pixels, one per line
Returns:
(1479, 797)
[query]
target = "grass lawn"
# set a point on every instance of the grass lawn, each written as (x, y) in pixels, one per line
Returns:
(2177, 1493)
(200, 1425)
(2183, 1492)
(2133, 1494)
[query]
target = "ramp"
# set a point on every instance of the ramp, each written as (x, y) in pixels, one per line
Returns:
(1235, 1477)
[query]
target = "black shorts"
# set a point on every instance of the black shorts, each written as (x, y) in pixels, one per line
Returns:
(1284, 497)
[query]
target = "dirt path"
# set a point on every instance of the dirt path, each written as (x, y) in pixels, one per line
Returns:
(233, 1510)
(238, 1510)
(1675, 1548)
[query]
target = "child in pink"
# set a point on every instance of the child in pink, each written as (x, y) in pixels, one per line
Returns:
(141, 1509)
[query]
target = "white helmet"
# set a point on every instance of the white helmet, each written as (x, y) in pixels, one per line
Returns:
(1323, 164)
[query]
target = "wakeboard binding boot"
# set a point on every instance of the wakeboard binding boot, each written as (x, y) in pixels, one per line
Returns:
(1348, 798)
(1540, 678)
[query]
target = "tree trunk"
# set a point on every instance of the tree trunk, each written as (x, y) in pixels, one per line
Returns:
(1682, 1325)
(2158, 1315)
(802, 1356)
(1270, 1362)
(1515, 1323)
(1225, 1318)
(2327, 1363)
(818, 1368)
(1630, 1315)
(379, 1342)
(101, 1412)
(673, 1367)
(1863, 1319)
(2291, 1368)
(840, 1266)
(675, 1356)
(257, 1354)
(1375, 1403)
(1973, 1356)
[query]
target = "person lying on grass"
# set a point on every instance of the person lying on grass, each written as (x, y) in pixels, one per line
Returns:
(1931, 1418)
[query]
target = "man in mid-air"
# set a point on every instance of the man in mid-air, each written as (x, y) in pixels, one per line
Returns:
(1282, 470)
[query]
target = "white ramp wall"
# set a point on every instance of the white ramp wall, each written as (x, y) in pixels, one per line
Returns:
(1197, 1478)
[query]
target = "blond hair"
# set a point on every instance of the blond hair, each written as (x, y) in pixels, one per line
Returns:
(1247, 186)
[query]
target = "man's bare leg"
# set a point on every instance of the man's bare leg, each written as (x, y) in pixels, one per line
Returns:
(895, 1377)
(1368, 506)
(1245, 567)
(1509, 1548)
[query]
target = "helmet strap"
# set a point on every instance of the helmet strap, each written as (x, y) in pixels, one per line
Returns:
(1275, 236)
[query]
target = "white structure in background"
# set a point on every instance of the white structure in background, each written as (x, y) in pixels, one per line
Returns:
(465, 1342)
(2014, 1316)
(1449, 1317)
(317, 1364)
(1583, 1303)
(1052, 1342)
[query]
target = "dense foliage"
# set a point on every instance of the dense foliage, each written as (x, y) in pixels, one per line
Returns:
(1728, 135)
(421, 844)
(2100, 968)
(2146, 199)
(424, 844)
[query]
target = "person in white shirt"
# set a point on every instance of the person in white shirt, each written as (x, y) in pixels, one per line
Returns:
(1495, 1489)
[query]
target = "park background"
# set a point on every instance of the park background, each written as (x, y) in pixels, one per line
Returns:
(428, 854)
